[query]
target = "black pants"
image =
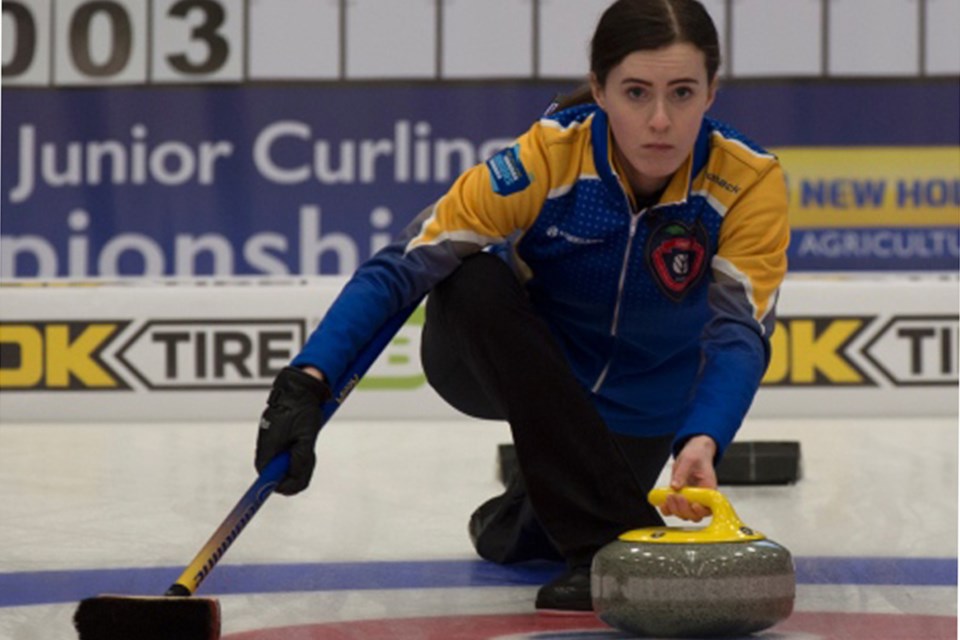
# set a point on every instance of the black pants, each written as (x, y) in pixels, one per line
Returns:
(487, 352)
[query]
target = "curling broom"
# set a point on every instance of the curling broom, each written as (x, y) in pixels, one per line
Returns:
(174, 616)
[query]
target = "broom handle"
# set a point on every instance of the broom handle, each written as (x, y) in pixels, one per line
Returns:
(228, 531)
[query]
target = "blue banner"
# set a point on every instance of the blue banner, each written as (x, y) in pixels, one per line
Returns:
(311, 179)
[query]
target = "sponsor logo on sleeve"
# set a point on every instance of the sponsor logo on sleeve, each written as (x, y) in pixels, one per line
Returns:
(507, 173)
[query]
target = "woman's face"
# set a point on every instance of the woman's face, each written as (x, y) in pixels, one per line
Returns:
(655, 101)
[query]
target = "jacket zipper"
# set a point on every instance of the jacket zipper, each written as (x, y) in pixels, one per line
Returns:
(614, 325)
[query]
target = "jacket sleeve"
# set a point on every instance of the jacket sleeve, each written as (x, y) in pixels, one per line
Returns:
(749, 267)
(486, 204)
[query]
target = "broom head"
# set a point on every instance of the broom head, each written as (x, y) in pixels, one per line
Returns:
(109, 617)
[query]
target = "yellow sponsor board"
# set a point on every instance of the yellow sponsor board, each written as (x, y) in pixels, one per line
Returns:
(872, 186)
(57, 355)
(813, 352)
(864, 351)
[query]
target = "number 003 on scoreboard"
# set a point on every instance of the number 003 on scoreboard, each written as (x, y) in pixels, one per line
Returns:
(110, 42)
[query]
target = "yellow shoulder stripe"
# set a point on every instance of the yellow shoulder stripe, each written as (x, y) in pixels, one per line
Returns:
(731, 169)
(754, 237)
(549, 159)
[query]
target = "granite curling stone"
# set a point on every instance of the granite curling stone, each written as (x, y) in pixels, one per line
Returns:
(676, 582)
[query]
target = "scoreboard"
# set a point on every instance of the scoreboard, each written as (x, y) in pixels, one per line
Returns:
(123, 42)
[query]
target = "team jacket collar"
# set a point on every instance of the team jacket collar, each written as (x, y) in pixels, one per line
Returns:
(678, 190)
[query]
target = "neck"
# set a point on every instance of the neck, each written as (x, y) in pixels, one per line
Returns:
(641, 186)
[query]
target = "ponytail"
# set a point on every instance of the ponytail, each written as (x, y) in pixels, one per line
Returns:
(581, 95)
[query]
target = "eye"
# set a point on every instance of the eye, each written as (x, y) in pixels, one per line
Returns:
(682, 93)
(636, 93)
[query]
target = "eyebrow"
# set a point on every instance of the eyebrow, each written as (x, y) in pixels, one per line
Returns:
(672, 82)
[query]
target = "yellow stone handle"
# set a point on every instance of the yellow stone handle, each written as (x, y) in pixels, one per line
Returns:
(725, 525)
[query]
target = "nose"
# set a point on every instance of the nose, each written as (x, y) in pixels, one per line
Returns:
(659, 119)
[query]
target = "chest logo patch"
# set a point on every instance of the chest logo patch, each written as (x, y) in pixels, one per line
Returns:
(676, 254)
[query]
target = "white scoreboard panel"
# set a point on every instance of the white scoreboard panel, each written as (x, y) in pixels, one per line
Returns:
(123, 42)
(105, 42)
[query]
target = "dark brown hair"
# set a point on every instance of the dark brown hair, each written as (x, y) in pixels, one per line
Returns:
(641, 25)
(627, 26)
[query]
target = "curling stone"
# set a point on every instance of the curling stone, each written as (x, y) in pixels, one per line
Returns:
(724, 579)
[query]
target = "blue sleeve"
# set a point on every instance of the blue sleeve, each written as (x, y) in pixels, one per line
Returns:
(735, 353)
(389, 281)
(746, 274)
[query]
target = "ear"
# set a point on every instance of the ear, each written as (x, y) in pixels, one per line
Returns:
(596, 89)
(712, 93)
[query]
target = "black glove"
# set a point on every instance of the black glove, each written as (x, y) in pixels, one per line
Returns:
(291, 422)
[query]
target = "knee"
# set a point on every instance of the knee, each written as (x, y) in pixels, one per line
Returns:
(480, 286)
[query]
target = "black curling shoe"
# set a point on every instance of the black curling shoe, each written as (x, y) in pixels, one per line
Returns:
(568, 594)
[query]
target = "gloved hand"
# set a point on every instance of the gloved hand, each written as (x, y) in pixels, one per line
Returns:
(291, 422)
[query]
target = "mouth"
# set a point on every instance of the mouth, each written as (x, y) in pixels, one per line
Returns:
(658, 147)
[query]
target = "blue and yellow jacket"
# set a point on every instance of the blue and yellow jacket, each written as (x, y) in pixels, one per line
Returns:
(664, 313)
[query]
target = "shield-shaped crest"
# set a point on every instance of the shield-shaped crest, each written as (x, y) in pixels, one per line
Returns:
(676, 253)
